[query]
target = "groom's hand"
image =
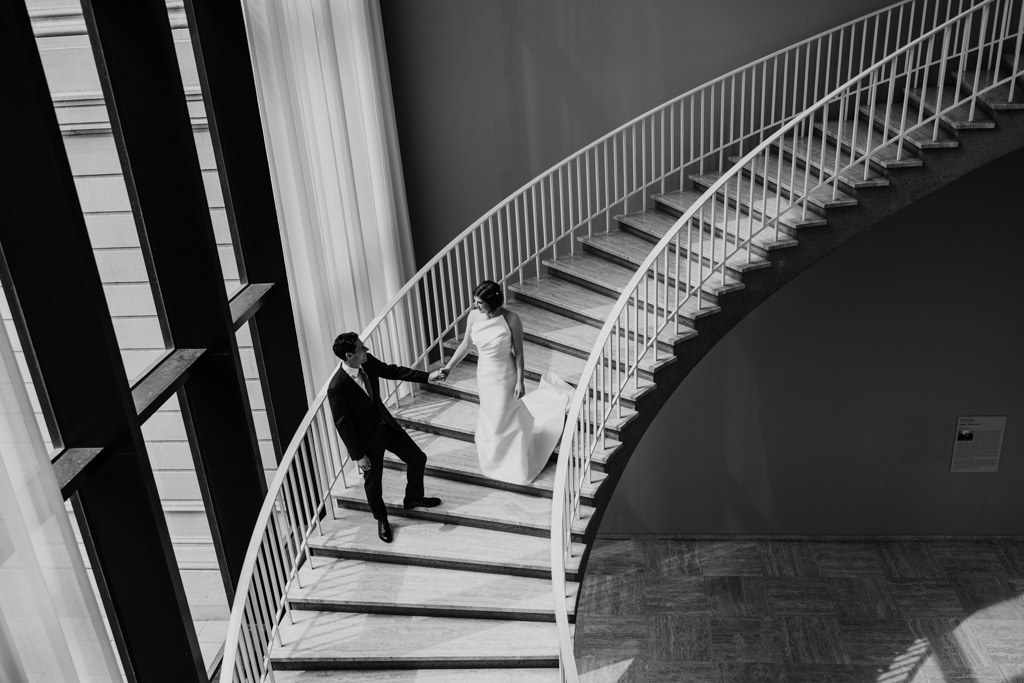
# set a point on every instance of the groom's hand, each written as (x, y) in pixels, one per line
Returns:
(363, 465)
(437, 376)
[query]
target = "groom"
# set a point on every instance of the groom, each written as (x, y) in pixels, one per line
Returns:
(368, 429)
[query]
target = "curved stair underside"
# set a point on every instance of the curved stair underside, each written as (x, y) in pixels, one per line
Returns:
(463, 593)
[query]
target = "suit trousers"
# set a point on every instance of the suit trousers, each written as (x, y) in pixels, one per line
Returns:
(396, 441)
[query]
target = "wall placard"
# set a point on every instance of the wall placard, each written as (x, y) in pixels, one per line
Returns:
(977, 444)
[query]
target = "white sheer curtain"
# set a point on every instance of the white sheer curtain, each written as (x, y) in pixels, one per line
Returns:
(328, 118)
(50, 626)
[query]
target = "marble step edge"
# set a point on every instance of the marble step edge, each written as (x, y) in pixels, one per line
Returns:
(354, 499)
(613, 428)
(948, 141)
(764, 241)
(536, 294)
(736, 264)
(540, 487)
(819, 198)
(645, 386)
(578, 347)
(787, 224)
(908, 160)
(989, 98)
(950, 123)
(359, 662)
(851, 179)
(391, 554)
(471, 392)
(710, 291)
(474, 675)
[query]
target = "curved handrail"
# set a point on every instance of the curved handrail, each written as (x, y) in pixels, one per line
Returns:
(581, 425)
(545, 215)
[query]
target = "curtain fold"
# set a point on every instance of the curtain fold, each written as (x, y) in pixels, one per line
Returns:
(50, 625)
(328, 118)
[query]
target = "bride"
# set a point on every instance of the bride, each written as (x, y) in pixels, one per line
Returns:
(514, 438)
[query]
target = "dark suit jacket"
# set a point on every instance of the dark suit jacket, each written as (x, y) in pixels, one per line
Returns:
(360, 418)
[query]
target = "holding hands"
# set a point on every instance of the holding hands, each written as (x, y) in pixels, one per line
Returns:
(439, 375)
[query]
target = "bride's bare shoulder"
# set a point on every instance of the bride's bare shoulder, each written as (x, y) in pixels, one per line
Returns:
(512, 319)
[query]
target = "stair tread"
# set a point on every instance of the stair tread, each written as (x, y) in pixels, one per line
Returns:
(883, 152)
(764, 203)
(959, 117)
(462, 380)
(615, 278)
(539, 360)
(474, 675)
(564, 293)
(636, 249)
(429, 408)
(767, 240)
(821, 197)
(999, 96)
(921, 136)
(569, 334)
(421, 541)
(465, 503)
(341, 638)
(822, 160)
(446, 455)
(351, 583)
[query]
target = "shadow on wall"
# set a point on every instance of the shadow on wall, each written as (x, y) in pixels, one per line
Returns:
(831, 409)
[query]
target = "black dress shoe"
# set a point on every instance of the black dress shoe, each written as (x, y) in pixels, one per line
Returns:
(384, 530)
(424, 502)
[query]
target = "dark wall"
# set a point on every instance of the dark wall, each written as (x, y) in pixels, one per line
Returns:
(490, 93)
(832, 408)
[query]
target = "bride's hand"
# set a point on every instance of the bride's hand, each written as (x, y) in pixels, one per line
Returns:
(519, 391)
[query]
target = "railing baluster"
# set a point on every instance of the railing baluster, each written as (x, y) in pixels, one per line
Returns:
(941, 84)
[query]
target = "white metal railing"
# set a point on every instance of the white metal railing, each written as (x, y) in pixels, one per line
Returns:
(742, 112)
(693, 257)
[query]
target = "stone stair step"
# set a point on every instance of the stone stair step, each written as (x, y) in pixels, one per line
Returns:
(919, 137)
(534, 675)
(884, 152)
(612, 279)
(542, 359)
(462, 383)
(438, 414)
(631, 249)
(425, 543)
(466, 504)
(576, 338)
(594, 309)
(789, 179)
(457, 460)
(381, 588)
(736, 224)
(998, 98)
(820, 155)
(958, 116)
(760, 202)
(539, 360)
(336, 640)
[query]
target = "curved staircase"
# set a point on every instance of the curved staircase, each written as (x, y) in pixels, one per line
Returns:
(464, 593)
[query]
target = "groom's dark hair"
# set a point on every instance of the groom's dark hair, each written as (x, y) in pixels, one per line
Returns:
(345, 343)
(490, 293)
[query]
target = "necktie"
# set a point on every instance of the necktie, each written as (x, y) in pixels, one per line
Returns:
(364, 382)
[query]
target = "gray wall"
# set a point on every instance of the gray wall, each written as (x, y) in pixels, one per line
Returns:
(831, 409)
(490, 93)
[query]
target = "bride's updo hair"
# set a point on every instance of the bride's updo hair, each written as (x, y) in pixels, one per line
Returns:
(490, 293)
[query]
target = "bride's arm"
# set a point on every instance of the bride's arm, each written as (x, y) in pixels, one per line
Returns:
(516, 325)
(463, 349)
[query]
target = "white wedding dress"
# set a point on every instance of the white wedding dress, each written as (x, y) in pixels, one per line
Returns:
(514, 438)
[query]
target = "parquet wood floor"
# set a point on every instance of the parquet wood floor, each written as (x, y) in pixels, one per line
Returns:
(758, 611)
